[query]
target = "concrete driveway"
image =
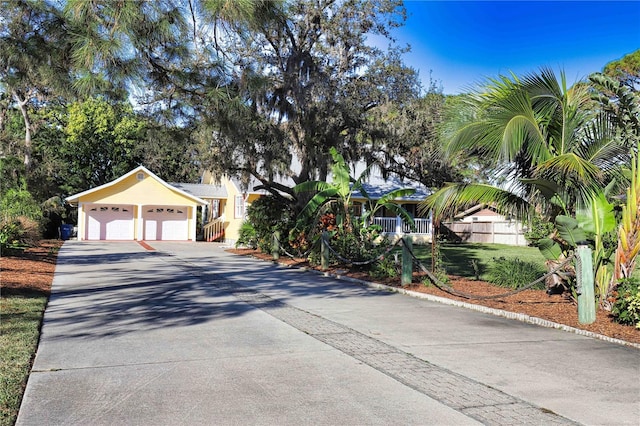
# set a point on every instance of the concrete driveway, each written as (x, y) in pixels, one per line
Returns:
(190, 334)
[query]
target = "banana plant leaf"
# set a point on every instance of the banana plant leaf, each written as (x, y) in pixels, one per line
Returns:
(597, 217)
(549, 249)
(570, 231)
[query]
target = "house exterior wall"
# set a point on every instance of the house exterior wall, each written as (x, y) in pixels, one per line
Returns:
(484, 215)
(234, 220)
(497, 232)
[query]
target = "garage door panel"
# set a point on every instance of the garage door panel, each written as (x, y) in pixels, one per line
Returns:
(166, 223)
(110, 223)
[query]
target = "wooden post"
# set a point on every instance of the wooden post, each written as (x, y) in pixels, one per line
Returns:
(275, 245)
(585, 286)
(407, 260)
(324, 251)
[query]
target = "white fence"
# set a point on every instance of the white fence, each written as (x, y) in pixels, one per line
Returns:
(508, 232)
(394, 225)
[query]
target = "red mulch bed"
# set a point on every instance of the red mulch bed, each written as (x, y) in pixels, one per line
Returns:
(536, 303)
(30, 271)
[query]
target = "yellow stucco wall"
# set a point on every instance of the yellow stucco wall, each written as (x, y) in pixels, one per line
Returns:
(233, 228)
(132, 191)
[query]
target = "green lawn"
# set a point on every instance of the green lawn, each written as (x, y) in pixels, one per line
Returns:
(457, 258)
(20, 318)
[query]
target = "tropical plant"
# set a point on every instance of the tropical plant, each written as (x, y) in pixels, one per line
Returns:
(543, 139)
(626, 308)
(512, 272)
(551, 151)
(247, 236)
(338, 194)
(629, 229)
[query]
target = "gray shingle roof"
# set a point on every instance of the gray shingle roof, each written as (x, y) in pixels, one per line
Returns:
(202, 190)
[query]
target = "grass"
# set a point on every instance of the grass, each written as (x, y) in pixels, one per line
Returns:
(20, 319)
(459, 259)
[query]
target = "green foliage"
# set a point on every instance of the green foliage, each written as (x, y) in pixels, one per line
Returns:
(538, 229)
(438, 265)
(12, 174)
(335, 198)
(100, 144)
(19, 202)
(247, 236)
(267, 215)
(513, 272)
(626, 308)
(20, 220)
(18, 232)
(387, 267)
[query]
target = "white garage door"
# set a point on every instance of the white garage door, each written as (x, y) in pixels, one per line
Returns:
(110, 222)
(166, 223)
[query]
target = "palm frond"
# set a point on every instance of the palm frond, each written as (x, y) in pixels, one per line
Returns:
(453, 198)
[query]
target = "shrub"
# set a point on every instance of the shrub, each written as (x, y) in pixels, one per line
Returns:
(19, 202)
(513, 273)
(18, 232)
(626, 308)
(247, 236)
(384, 268)
(267, 215)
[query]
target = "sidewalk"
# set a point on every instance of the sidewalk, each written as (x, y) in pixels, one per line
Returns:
(190, 334)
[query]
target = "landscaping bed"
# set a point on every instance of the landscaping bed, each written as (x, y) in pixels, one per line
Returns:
(536, 303)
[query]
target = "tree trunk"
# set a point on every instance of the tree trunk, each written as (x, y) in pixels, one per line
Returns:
(22, 104)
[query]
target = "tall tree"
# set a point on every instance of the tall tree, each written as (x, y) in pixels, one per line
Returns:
(405, 141)
(626, 70)
(100, 143)
(306, 82)
(273, 85)
(34, 59)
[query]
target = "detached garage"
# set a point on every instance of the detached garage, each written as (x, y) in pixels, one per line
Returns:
(136, 206)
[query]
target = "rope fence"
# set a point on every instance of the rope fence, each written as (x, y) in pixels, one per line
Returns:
(432, 277)
(583, 272)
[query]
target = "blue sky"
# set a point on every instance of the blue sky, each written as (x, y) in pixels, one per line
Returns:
(465, 42)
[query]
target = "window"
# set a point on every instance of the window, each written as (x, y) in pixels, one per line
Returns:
(239, 207)
(140, 176)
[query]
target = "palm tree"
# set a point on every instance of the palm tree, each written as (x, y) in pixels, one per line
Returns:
(553, 151)
(549, 147)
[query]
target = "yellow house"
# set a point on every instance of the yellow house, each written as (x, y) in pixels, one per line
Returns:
(136, 206)
(227, 203)
(226, 209)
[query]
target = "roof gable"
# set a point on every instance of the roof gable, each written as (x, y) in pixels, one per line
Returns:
(125, 183)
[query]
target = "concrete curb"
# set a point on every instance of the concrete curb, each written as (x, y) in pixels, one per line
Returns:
(479, 308)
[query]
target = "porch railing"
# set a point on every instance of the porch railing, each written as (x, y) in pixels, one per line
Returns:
(213, 230)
